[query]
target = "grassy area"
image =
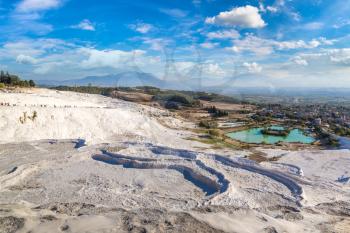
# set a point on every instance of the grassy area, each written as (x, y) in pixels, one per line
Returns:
(216, 143)
(216, 138)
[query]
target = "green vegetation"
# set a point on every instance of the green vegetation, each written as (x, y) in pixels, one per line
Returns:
(217, 112)
(106, 91)
(326, 137)
(208, 124)
(149, 90)
(170, 99)
(274, 132)
(341, 131)
(7, 79)
(185, 98)
(332, 142)
(259, 118)
(214, 132)
(175, 100)
(171, 105)
(23, 119)
(34, 116)
(217, 143)
(213, 97)
(194, 95)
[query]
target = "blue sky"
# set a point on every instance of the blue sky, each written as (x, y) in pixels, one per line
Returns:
(287, 43)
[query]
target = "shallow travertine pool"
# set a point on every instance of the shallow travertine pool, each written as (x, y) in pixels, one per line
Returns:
(255, 136)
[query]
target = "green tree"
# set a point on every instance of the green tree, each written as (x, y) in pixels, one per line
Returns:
(31, 83)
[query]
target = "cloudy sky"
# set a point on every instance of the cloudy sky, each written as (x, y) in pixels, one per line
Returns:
(287, 43)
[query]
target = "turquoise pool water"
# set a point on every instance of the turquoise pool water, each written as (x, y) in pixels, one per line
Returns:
(254, 135)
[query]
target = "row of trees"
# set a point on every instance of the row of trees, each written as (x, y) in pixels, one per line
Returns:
(106, 91)
(215, 112)
(7, 79)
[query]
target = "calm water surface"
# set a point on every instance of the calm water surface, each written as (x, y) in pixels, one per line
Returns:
(254, 135)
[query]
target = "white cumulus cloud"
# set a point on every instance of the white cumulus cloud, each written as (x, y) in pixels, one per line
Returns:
(261, 46)
(141, 27)
(209, 45)
(25, 59)
(33, 48)
(156, 44)
(207, 69)
(340, 56)
(213, 69)
(176, 13)
(272, 9)
(37, 5)
(46, 68)
(324, 58)
(300, 61)
(108, 58)
(244, 17)
(314, 26)
(86, 25)
(253, 67)
(224, 34)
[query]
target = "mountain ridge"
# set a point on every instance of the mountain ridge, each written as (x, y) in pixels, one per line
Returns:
(127, 79)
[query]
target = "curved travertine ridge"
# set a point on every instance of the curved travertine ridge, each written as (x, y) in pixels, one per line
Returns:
(208, 186)
(290, 168)
(292, 185)
(287, 181)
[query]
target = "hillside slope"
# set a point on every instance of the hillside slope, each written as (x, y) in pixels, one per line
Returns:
(68, 115)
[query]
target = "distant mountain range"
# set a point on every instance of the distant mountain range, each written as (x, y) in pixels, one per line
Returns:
(129, 79)
(228, 86)
(125, 79)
